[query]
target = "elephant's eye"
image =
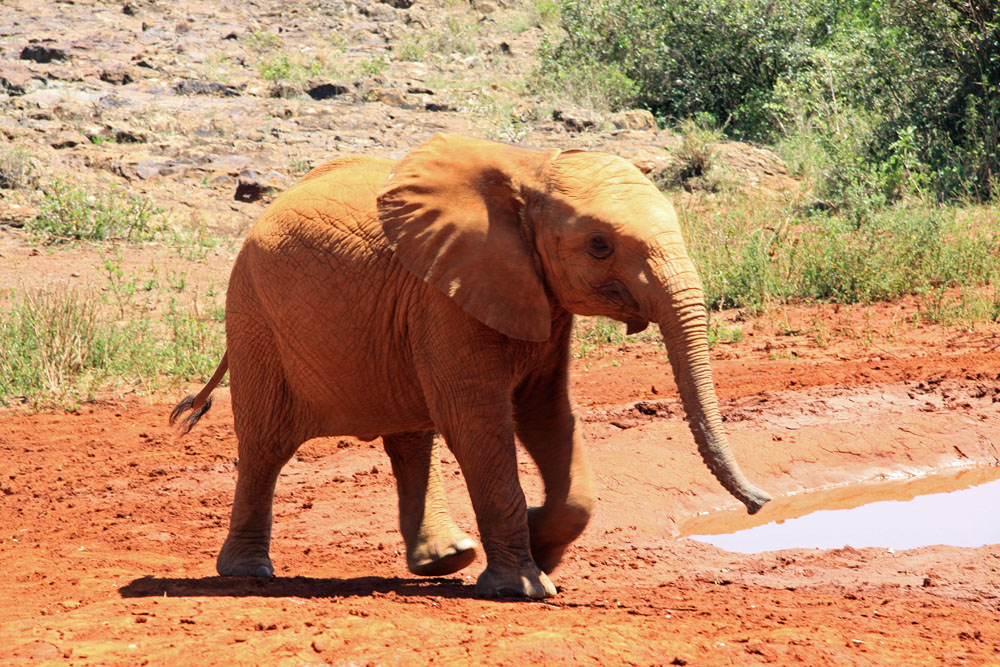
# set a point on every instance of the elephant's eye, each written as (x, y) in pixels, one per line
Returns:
(599, 246)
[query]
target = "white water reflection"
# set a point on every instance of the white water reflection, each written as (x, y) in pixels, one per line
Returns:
(964, 518)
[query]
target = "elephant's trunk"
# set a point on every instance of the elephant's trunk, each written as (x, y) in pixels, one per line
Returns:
(683, 323)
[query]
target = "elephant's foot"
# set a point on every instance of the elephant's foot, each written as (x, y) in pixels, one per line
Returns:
(435, 557)
(527, 581)
(551, 535)
(243, 558)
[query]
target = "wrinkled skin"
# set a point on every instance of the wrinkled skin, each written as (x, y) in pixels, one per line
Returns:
(395, 299)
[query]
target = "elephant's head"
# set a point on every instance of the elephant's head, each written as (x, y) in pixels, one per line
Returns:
(506, 231)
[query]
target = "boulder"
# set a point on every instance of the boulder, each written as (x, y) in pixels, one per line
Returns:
(577, 119)
(253, 185)
(43, 53)
(633, 119)
(15, 79)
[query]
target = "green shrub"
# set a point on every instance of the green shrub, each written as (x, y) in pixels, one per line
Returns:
(72, 214)
(901, 100)
(682, 57)
(594, 84)
(47, 341)
(876, 101)
(457, 36)
(695, 156)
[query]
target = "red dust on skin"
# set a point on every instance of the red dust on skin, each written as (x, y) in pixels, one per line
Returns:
(109, 524)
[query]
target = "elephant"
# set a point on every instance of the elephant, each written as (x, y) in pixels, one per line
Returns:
(436, 294)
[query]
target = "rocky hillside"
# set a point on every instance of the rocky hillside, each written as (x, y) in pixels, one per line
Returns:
(207, 109)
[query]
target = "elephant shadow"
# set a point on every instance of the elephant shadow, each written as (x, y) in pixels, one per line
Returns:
(301, 587)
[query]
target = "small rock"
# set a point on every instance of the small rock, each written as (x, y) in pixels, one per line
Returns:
(232, 164)
(398, 4)
(68, 139)
(145, 169)
(252, 185)
(577, 120)
(116, 77)
(127, 134)
(193, 87)
(15, 215)
(391, 96)
(633, 119)
(380, 13)
(40, 53)
(418, 18)
(284, 89)
(70, 111)
(113, 101)
(484, 6)
(436, 106)
(15, 79)
(326, 90)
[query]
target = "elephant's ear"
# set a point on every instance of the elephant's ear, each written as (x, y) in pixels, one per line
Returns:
(452, 211)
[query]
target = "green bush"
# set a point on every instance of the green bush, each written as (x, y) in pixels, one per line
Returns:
(72, 214)
(568, 73)
(687, 57)
(901, 100)
(878, 101)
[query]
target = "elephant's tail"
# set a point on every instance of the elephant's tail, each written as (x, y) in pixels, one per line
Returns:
(199, 403)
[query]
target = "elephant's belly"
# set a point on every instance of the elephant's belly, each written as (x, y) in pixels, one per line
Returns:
(348, 396)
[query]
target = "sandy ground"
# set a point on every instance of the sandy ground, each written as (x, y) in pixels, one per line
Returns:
(109, 525)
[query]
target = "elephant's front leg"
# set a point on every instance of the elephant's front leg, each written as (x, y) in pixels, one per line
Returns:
(435, 546)
(548, 430)
(480, 431)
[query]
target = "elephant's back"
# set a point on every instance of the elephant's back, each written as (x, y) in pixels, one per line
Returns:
(376, 167)
(333, 201)
(321, 234)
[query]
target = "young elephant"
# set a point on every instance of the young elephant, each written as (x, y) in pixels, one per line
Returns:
(392, 299)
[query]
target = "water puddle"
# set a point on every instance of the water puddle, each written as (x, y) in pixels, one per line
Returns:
(957, 508)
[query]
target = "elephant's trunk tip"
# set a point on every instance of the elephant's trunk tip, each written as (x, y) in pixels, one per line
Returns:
(754, 500)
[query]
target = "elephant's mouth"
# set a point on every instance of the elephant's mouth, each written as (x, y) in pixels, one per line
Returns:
(622, 305)
(635, 326)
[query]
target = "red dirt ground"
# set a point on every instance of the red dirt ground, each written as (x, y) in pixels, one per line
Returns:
(109, 525)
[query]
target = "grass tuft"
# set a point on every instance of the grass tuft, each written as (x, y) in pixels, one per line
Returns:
(16, 169)
(61, 346)
(756, 253)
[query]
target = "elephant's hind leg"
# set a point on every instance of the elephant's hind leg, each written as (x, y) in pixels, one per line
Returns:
(246, 551)
(270, 427)
(435, 546)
